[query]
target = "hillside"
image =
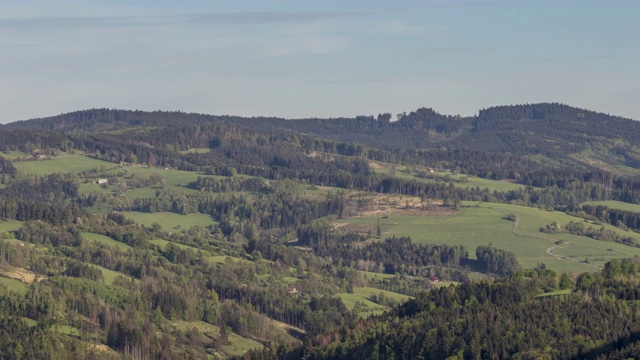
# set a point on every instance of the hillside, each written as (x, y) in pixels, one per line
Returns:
(555, 132)
(127, 234)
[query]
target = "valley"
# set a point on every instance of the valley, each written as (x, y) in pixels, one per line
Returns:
(221, 238)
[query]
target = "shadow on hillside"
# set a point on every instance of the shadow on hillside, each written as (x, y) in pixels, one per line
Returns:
(613, 346)
(296, 333)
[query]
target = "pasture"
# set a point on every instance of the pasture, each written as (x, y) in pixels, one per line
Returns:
(170, 221)
(10, 225)
(13, 285)
(109, 275)
(237, 346)
(459, 180)
(141, 193)
(14, 155)
(473, 226)
(163, 243)
(612, 204)
(195, 151)
(555, 293)
(372, 275)
(364, 295)
(60, 164)
(105, 240)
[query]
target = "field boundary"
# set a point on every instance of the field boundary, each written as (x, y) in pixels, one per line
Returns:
(549, 250)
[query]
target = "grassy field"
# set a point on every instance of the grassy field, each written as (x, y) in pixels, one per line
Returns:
(195, 151)
(170, 221)
(174, 179)
(30, 322)
(91, 188)
(141, 193)
(60, 164)
(110, 275)
(555, 293)
(363, 295)
(10, 225)
(12, 155)
(612, 204)
(238, 345)
(474, 226)
(163, 243)
(289, 279)
(461, 180)
(68, 330)
(105, 240)
(372, 275)
(13, 285)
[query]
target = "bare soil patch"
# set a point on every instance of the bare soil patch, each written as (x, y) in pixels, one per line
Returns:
(385, 204)
(20, 274)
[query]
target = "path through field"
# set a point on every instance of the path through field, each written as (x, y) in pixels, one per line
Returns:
(549, 250)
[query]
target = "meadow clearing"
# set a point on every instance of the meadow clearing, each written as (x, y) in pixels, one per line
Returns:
(170, 221)
(482, 224)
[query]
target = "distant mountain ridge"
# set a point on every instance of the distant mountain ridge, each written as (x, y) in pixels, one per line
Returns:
(552, 130)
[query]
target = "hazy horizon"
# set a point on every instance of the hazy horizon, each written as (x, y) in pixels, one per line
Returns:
(304, 59)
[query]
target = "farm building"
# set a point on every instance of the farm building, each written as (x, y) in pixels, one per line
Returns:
(292, 291)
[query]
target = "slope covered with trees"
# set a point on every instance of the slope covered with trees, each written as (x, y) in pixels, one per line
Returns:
(94, 264)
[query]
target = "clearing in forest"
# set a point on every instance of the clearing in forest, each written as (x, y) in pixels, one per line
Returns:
(170, 221)
(612, 204)
(66, 163)
(481, 224)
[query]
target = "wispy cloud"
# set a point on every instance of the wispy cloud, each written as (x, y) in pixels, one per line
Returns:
(240, 18)
(264, 17)
(397, 28)
(372, 80)
(570, 58)
(17, 45)
(237, 18)
(308, 46)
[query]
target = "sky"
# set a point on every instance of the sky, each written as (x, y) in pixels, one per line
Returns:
(312, 58)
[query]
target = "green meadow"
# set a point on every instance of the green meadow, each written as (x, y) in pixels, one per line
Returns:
(237, 346)
(13, 155)
(163, 243)
(459, 180)
(612, 204)
(170, 221)
(10, 225)
(473, 226)
(195, 151)
(141, 193)
(109, 275)
(60, 164)
(364, 294)
(372, 275)
(13, 285)
(174, 179)
(91, 237)
(29, 322)
(555, 293)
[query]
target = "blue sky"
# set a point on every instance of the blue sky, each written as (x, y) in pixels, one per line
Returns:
(310, 58)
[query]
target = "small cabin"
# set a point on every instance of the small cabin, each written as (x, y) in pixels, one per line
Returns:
(292, 291)
(434, 279)
(103, 181)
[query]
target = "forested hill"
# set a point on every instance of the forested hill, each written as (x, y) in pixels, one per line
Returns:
(555, 131)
